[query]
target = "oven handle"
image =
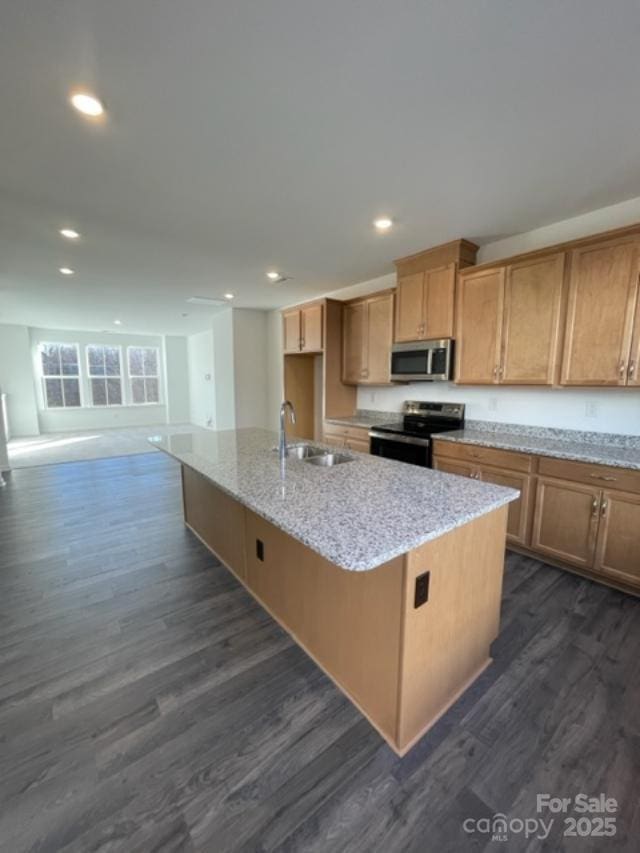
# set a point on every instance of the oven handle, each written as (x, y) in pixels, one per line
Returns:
(403, 439)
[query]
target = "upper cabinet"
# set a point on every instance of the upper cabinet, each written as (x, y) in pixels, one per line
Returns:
(479, 327)
(531, 322)
(425, 304)
(509, 321)
(367, 337)
(601, 344)
(425, 296)
(302, 329)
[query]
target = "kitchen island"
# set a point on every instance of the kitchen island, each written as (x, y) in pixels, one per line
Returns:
(388, 575)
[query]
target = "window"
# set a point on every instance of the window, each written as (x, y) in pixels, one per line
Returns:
(144, 375)
(60, 375)
(105, 375)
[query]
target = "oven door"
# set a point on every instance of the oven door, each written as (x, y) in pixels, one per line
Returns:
(402, 448)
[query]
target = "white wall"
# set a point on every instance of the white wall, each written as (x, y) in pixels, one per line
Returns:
(201, 374)
(603, 219)
(16, 380)
(176, 367)
(275, 369)
(251, 370)
(223, 363)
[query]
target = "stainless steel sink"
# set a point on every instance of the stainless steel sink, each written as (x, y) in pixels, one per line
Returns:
(329, 459)
(302, 451)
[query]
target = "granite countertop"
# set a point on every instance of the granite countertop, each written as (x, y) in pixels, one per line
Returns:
(366, 419)
(620, 451)
(357, 515)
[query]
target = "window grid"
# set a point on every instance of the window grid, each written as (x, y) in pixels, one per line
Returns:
(144, 375)
(60, 368)
(104, 369)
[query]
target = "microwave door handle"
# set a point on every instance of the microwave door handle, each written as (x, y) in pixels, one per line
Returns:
(430, 362)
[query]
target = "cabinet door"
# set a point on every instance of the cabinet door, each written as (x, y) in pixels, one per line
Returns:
(519, 511)
(450, 467)
(439, 301)
(291, 330)
(354, 344)
(410, 308)
(618, 549)
(312, 329)
(566, 521)
(633, 372)
(479, 327)
(380, 337)
(602, 287)
(531, 326)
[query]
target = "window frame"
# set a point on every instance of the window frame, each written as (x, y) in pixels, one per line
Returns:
(91, 376)
(61, 376)
(156, 376)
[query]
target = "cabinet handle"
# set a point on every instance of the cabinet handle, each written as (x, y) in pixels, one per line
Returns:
(603, 509)
(632, 368)
(495, 372)
(622, 368)
(501, 371)
(594, 507)
(603, 477)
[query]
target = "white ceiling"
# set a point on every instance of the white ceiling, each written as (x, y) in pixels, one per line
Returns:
(243, 136)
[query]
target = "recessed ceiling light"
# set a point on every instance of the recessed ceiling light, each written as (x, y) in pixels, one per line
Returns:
(66, 271)
(273, 275)
(228, 296)
(69, 233)
(117, 322)
(383, 223)
(87, 104)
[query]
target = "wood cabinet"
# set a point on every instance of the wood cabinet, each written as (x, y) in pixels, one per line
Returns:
(566, 521)
(368, 334)
(575, 514)
(426, 291)
(518, 521)
(303, 329)
(633, 372)
(618, 545)
(509, 323)
(425, 304)
(603, 286)
(347, 437)
(479, 330)
(531, 321)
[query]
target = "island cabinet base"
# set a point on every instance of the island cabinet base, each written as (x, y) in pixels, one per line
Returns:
(403, 666)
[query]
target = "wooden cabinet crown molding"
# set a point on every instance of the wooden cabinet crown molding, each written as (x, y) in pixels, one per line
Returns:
(461, 252)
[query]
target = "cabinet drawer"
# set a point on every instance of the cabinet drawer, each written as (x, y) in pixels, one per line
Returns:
(594, 475)
(359, 433)
(485, 455)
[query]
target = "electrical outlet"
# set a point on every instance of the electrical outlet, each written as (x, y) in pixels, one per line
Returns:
(591, 409)
(421, 594)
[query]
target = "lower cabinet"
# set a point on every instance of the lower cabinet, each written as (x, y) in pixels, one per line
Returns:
(575, 514)
(566, 521)
(618, 545)
(346, 438)
(519, 511)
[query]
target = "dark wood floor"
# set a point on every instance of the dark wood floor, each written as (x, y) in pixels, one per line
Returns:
(147, 703)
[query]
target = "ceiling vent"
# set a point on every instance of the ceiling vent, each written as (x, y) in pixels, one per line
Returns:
(206, 300)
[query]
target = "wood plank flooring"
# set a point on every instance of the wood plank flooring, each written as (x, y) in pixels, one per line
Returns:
(147, 703)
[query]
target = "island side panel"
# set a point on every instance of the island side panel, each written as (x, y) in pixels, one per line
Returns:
(349, 622)
(216, 519)
(446, 641)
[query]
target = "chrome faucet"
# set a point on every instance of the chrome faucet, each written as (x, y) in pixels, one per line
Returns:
(282, 444)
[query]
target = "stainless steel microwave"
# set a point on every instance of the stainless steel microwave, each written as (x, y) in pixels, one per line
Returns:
(422, 361)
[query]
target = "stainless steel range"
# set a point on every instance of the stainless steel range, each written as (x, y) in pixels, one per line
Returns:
(410, 440)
